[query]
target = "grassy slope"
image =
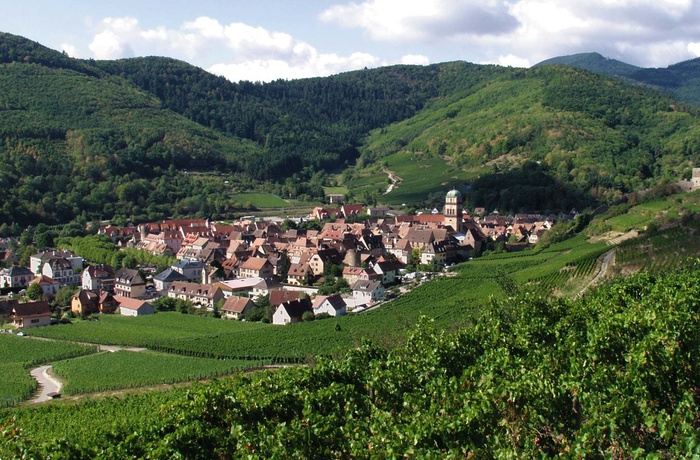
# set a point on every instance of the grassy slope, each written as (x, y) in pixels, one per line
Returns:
(531, 116)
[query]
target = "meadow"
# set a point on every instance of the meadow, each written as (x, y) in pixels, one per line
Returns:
(261, 200)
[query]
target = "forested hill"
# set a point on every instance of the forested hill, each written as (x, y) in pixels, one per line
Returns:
(75, 140)
(682, 80)
(315, 122)
(105, 139)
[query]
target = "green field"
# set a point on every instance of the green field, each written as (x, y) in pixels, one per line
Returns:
(19, 354)
(413, 169)
(128, 369)
(261, 200)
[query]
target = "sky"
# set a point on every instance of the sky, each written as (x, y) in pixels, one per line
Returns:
(264, 40)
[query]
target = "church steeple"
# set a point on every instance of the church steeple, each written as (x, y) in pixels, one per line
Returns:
(453, 210)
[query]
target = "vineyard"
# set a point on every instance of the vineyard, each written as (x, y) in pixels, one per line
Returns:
(18, 354)
(660, 252)
(127, 369)
(144, 331)
(612, 374)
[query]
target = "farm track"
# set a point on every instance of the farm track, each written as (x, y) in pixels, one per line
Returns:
(607, 259)
(394, 181)
(47, 384)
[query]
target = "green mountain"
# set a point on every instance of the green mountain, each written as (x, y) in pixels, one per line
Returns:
(76, 140)
(591, 138)
(106, 139)
(682, 80)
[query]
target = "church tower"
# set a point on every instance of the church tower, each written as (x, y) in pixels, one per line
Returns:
(453, 210)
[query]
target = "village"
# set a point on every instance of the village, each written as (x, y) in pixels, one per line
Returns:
(350, 260)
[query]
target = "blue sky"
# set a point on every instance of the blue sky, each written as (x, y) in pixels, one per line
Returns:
(265, 40)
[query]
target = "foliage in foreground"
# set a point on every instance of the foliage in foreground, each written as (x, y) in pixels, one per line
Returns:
(611, 375)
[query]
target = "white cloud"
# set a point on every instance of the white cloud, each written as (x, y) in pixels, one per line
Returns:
(694, 48)
(273, 69)
(512, 61)
(532, 30)
(69, 49)
(239, 51)
(416, 59)
(416, 20)
(108, 45)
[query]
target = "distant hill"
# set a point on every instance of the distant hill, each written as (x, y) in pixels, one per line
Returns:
(682, 80)
(594, 62)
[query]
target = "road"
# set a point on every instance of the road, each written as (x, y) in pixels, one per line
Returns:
(607, 258)
(47, 384)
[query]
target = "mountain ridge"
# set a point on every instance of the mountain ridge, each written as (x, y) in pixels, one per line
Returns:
(119, 133)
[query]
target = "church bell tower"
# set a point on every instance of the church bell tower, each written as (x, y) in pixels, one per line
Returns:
(453, 210)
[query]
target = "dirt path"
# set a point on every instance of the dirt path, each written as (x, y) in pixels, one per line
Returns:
(47, 384)
(394, 181)
(607, 259)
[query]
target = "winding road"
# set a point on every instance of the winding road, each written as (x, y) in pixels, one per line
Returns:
(47, 384)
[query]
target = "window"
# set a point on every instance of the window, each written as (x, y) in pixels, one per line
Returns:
(34, 321)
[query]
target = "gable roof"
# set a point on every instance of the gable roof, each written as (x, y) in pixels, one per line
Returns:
(334, 300)
(27, 309)
(235, 304)
(296, 308)
(278, 296)
(366, 286)
(129, 276)
(130, 303)
(254, 263)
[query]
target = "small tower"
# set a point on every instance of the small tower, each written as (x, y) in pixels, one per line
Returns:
(453, 210)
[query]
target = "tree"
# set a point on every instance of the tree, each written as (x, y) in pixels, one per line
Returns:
(64, 295)
(308, 316)
(34, 291)
(165, 304)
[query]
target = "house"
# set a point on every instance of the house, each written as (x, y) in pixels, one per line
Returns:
(129, 283)
(37, 261)
(257, 267)
(434, 253)
(163, 280)
(99, 277)
(299, 274)
(348, 210)
(323, 259)
(31, 314)
(364, 292)
(387, 270)
(234, 307)
(279, 296)
(190, 269)
(86, 302)
(202, 295)
(291, 312)
(334, 305)
(15, 276)
(62, 270)
(354, 274)
(48, 285)
(133, 307)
